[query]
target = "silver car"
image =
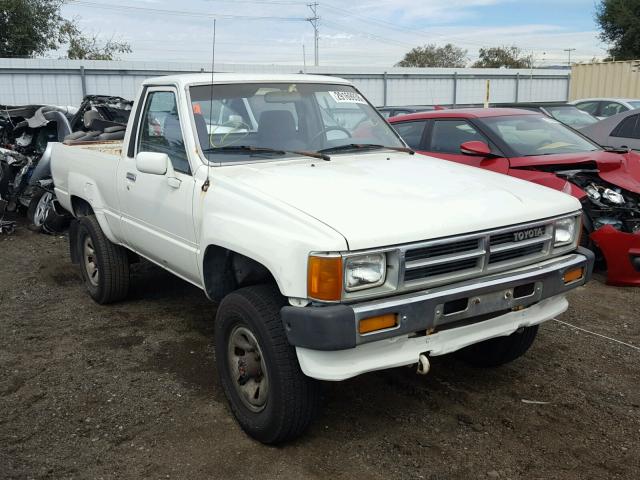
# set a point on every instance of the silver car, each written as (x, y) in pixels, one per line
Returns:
(606, 107)
(619, 131)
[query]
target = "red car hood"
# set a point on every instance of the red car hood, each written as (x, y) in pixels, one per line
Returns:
(620, 169)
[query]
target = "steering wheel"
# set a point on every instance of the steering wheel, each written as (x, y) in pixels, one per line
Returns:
(330, 128)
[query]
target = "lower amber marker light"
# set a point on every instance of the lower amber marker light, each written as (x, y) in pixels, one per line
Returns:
(573, 275)
(381, 322)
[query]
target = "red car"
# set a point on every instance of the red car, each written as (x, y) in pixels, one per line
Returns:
(534, 147)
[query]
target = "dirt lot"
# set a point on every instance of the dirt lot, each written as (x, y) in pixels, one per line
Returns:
(129, 391)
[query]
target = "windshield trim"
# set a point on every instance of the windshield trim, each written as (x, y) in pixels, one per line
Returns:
(206, 161)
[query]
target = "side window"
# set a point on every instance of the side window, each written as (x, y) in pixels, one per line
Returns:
(160, 130)
(411, 132)
(612, 108)
(589, 107)
(448, 135)
(627, 128)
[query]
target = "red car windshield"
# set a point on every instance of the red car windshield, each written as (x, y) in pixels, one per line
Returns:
(532, 135)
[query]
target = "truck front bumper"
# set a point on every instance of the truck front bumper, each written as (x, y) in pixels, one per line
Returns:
(438, 320)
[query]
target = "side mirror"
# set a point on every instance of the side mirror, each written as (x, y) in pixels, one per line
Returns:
(152, 162)
(476, 149)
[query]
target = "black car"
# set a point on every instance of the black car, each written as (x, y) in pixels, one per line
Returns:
(566, 113)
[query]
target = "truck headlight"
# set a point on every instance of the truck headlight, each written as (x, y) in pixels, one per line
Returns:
(364, 271)
(566, 230)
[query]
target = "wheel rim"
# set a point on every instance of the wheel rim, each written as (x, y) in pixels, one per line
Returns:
(247, 368)
(91, 262)
(42, 208)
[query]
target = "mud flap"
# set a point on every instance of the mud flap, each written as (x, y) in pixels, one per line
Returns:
(73, 242)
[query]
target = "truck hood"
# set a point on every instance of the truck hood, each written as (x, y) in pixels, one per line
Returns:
(622, 170)
(382, 199)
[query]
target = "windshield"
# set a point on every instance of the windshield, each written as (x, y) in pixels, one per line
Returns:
(284, 117)
(572, 116)
(634, 104)
(530, 135)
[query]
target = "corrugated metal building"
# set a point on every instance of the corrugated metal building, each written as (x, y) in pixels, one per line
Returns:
(607, 79)
(64, 82)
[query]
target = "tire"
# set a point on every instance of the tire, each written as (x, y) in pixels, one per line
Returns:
(498, 351)
(39, 206)
(292, 400)
(104, 265)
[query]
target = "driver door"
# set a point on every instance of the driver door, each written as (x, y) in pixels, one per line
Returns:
(157, 213)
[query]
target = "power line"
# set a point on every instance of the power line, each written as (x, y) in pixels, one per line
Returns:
(159, 11)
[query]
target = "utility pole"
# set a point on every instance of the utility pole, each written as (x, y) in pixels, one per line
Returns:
(304, 60)
(569, 50)
(314, 21)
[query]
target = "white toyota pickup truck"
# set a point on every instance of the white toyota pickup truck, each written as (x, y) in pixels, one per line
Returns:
(330, 249)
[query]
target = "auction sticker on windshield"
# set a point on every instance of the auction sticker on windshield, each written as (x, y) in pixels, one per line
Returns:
(347, 97)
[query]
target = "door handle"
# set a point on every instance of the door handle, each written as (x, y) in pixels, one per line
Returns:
(131, 177)
(174, 182)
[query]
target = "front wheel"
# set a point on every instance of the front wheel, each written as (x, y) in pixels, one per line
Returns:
(104, 265)
(272, 400)
(500, 350)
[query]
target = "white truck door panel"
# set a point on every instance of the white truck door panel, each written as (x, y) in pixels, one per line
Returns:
(157, 212)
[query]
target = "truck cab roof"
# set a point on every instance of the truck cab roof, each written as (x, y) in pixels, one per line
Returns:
(184, 80)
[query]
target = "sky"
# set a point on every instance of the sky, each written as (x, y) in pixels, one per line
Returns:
(353, 32)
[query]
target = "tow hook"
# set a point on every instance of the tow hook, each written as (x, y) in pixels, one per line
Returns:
(423, 364)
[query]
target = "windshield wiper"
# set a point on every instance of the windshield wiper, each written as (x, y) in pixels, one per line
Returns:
(254, 149)
(367, 146)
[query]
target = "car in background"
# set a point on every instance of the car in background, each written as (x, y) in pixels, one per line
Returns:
(606, 107)
(619, 131)
(563, 112)
(534, 147)
(388, 112)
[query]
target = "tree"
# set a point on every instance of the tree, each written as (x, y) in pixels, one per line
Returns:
(431, 55)
(30, 28)
(503, 57)
(81, 47)
(619, 22)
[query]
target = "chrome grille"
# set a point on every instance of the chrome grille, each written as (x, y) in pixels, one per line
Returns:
(456, 258)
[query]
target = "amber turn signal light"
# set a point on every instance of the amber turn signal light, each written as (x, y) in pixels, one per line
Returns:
(573, 275)
(372, 324)
(324, 280)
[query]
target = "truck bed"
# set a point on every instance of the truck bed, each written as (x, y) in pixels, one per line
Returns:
(111, 147)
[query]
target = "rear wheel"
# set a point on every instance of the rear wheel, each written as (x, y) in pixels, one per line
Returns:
(500, 350)
(272, 400)
(104, 265)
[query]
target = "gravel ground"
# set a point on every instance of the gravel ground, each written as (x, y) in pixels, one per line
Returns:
(130, 391)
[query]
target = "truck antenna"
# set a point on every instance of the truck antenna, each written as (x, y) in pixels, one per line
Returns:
(207, 182)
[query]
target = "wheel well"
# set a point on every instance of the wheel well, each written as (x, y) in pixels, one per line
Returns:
(225, 271)
(80, 207)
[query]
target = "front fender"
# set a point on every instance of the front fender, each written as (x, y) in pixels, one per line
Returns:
(269, 232)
